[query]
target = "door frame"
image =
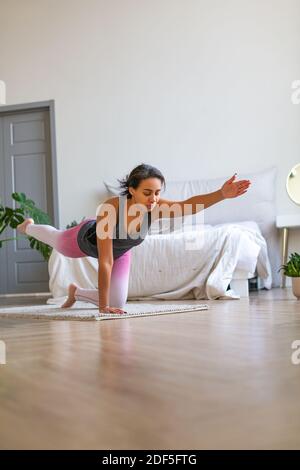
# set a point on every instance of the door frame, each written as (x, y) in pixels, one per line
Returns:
(50, 107)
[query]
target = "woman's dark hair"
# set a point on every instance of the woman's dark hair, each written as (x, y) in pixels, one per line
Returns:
(138, 174)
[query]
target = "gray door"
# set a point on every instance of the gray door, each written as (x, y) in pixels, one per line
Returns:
(25, 166)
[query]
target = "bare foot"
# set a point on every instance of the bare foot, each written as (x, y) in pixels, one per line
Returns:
(71, 296)
(22, 227)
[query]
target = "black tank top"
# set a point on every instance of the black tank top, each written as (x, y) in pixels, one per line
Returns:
(87, 238)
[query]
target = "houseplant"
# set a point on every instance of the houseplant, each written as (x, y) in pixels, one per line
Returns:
(12, 217)
(292, 269)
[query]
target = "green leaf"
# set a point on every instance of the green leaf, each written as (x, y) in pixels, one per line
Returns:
(292, 268)
(12, 217)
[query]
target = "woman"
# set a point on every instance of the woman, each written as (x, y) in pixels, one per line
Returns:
(140, 194)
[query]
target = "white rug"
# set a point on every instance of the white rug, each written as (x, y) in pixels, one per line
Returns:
(84, 311)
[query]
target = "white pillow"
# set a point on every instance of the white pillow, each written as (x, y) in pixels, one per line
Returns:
(112, 190)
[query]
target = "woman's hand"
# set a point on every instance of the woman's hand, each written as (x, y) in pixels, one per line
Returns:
(233, 188)
(108, 309)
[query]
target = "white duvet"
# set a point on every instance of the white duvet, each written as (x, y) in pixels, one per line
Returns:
(197, 263)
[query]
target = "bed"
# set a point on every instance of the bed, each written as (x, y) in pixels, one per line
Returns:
(232, 241)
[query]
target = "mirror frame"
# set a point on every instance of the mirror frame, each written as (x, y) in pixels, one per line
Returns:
(297, 166)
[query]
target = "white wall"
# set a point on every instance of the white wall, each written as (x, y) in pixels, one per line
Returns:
(198, 88)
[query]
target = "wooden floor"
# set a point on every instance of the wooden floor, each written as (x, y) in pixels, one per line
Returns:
(221, 378)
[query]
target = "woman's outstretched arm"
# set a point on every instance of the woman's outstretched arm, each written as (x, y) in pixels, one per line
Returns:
(229, 189)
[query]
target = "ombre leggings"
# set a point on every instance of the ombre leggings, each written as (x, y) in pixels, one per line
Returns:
(65, 242)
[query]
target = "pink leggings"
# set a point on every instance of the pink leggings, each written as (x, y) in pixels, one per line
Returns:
(65, 242)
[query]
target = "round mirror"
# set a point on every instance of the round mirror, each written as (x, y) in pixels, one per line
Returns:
(293, 184)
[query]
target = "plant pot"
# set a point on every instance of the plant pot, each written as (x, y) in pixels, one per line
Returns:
(296, 287)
